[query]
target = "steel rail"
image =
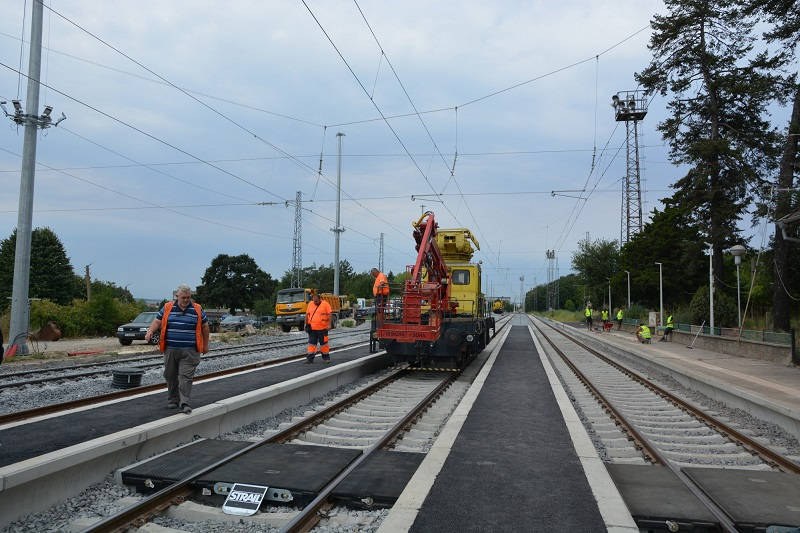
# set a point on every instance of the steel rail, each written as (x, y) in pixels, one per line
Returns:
(220, 351)
(140, 512)
(725, 520)
(117, 395)
(309, 516)
(769, 456)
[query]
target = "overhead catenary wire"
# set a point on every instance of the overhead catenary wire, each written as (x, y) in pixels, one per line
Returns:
(374, 104)
(215, 111)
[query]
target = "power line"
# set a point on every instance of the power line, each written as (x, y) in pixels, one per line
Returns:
(344, 156)
(214, 110)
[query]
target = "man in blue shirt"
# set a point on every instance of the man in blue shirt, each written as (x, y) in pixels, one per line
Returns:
(184, 336)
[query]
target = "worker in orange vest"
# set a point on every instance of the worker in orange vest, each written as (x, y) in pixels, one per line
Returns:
(380, 289)
(184, 335)
(318, 320)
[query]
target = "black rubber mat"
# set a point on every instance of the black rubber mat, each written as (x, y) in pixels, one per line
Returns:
(302, 469)
(513, 466)
(752, 498)
(378, 481)
(165, 469)
(654, 495)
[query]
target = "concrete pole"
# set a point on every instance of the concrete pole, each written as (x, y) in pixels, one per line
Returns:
(338, 229)
(20, 307)
(710, 287)
(629, 288)
(660, 297)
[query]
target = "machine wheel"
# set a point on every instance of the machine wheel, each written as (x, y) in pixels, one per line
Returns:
(155, 337)
(125, 342)
(286, 329)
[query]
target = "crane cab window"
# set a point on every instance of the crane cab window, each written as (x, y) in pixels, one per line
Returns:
(460, 277)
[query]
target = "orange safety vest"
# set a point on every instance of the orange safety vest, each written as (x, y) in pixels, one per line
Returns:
(381, 285)
(318, 316)
(198, 332)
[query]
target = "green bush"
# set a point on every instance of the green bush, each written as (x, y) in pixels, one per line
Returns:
(347, 323)
(101, 316)
(725, 313)
(569, 305)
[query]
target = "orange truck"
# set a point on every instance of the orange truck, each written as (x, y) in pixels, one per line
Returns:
(291, 305)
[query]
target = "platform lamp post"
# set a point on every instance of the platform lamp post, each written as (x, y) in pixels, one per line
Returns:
(710, 287)
(738, 251)
(629, 288)
(660, 296)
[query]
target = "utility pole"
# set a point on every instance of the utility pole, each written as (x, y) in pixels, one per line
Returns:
(380, 254)
(297, 244)
(338, 229)
(88, 281)
(522, 293)
(20, 305)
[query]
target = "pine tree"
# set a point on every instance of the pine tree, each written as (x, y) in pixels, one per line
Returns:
(783, 17)
(51, 274)
(703, 57)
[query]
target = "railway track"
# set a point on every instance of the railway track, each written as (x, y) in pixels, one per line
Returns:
(74, 371)
(50, 478)
(73, 391)
(639, 421)
(369, 419)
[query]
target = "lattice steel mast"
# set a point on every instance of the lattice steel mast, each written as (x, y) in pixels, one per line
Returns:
(297, 250)
(630, 107)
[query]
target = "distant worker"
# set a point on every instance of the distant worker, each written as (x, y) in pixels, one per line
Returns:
(643, 334)
(668, 329)
(604, 318)
(587, 313)
(380, 289)
(620, 314)
(184, 336)
(318, 321)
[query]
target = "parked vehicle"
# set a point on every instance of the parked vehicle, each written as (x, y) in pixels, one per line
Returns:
(135, 329)
(364, 313)
(266, 320)
(236, 323)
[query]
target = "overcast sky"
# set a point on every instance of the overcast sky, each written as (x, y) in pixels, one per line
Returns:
(191, 145)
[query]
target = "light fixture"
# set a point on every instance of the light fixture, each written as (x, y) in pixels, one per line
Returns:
(47, 110)
(17, 106)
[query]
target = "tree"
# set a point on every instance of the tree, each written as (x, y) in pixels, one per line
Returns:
(703, 56)
(234, 282)
(596, 262)
(672, 239)
(51, 274)
(783, 16)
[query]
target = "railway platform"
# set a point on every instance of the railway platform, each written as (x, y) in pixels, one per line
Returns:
(513, 457)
